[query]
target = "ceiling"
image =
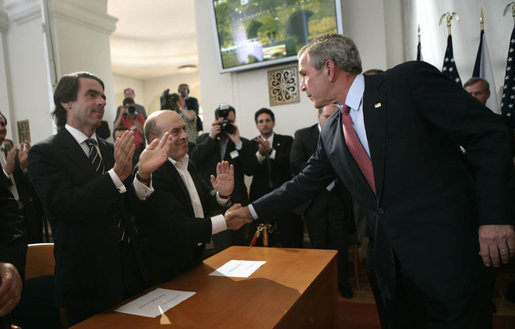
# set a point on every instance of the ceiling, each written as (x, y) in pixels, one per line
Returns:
(152, 38)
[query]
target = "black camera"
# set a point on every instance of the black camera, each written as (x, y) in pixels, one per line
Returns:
(169, 101)
(131, 109)
(226, 125)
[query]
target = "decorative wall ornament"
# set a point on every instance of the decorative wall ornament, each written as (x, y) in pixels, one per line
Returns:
(23, 131)
(283, 86)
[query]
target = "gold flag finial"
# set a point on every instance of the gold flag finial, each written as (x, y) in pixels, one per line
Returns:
(512, 5)
(449, 16)
(482, 20)
(418, 33)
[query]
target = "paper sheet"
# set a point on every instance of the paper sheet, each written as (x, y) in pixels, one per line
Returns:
(238, 268)
(155, 302)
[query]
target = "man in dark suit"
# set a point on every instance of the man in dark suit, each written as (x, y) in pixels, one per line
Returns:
(191, 104)
(13, 247)
(225, 145)
(271, 169)
(329, 214)
(182, 213)
(83, 183)
(13, 162)
(397, 154)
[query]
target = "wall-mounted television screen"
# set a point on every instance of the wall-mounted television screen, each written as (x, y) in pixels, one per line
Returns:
(255, 33)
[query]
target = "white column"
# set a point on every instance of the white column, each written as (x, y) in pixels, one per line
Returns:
(79, 32)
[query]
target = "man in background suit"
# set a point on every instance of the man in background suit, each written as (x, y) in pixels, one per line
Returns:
(13, 247)
(394, 145)
(225, 145)
(329, 214)
(271, 169)
(84, 184)
(182, 213)
(13, 162)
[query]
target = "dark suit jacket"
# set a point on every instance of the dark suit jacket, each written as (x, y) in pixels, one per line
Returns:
(13, 244)
(206, 156)
(303, 147)
(426, 202)
(84, 209)
(275, 170)
(32, 211)
(168, 230)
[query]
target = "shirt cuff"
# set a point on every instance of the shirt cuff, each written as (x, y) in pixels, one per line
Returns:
(218, 224)
(253, 211)
(117, 182)
(272, 155)
(141, 190)
(239, 146)
(259, 157)
(221, 201)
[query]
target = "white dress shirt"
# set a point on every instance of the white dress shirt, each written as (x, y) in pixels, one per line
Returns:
(218, 223)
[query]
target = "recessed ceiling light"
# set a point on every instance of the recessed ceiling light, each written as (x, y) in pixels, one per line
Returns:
(187, 68)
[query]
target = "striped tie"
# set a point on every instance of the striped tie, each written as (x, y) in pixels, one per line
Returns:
(94, 157)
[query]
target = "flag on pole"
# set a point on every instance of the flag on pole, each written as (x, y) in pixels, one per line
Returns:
(449, 66)
(508, 92)
(419, 52)
(483, 70)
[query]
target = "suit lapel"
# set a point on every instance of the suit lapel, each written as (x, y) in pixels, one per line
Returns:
(183, 190)
(75, 154)
(107, 154)
(374, 111)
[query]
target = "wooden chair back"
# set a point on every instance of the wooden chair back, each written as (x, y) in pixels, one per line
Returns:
(40, 260)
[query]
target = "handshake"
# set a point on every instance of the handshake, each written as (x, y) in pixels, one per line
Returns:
(237, 216)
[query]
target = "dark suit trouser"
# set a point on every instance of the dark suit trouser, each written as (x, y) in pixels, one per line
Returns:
(328, 230)
(290, 231)
(410, 309)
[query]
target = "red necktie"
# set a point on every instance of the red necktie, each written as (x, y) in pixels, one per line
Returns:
(356, 149)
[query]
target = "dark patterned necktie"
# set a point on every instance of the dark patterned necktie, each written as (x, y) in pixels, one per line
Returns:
(94, 157)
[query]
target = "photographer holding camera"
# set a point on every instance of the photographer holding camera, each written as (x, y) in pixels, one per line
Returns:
(223, 143)
(175, 102)
(134, 121)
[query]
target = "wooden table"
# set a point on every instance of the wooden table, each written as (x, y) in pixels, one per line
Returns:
(296, 288)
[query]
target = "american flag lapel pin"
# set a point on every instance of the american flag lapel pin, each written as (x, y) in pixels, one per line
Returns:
(377, 105)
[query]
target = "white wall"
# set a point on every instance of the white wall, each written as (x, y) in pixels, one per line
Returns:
(121, 82)
(247, 90)
(465, 33)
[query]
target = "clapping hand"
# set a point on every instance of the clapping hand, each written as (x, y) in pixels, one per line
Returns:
(224, 180)
(123, 152)
(154, 155)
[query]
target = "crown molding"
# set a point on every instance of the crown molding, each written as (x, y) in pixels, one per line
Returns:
(21, 12)
(74, 13)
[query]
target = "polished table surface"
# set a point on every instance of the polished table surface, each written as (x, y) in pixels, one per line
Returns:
(296, 288)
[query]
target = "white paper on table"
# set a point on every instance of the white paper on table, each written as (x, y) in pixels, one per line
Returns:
(238, 268)
(155, 302)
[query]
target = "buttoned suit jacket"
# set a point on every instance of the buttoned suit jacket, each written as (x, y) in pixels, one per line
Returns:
(206, 156)
(426, 201)
(84, 209)
(279, 171)
(172, 238)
